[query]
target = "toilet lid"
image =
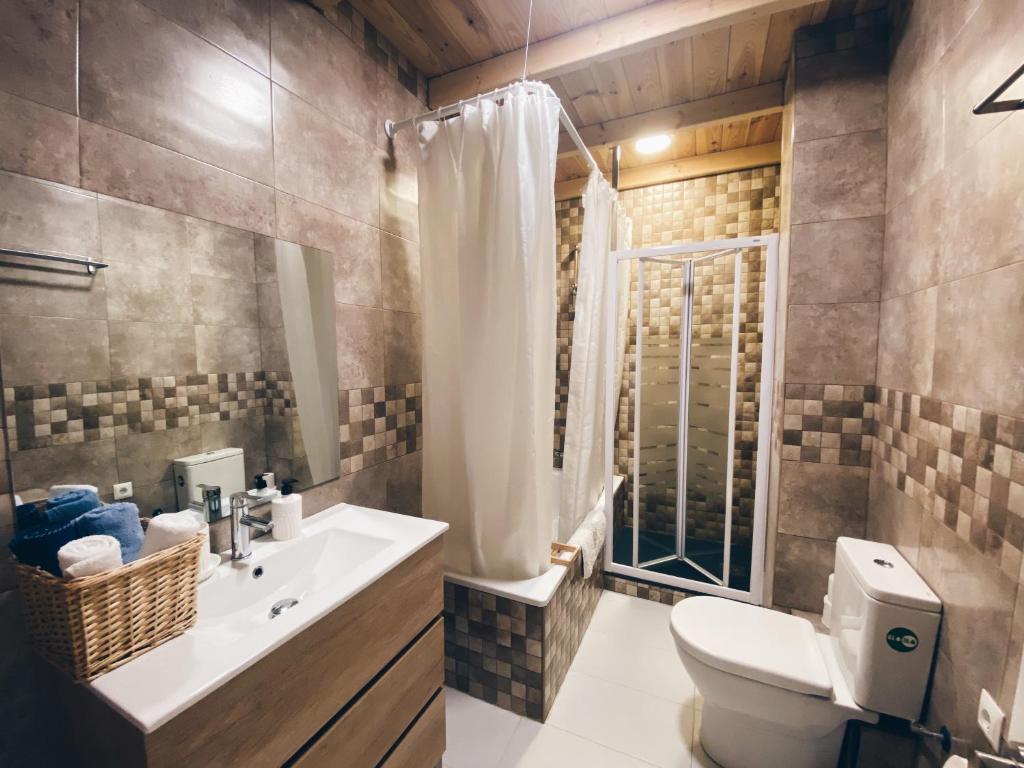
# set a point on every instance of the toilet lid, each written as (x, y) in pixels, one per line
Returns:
(752, 642)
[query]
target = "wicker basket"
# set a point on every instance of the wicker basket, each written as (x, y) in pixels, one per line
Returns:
(94, 624)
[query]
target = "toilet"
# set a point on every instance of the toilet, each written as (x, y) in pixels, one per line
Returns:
(777, 693)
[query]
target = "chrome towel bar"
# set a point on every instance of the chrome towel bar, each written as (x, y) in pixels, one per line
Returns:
(90, 264)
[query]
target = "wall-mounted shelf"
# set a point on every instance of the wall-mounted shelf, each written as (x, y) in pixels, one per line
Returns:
(90, 264)
(990, 104)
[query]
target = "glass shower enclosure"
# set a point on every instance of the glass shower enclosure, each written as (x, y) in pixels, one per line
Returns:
(689, 413)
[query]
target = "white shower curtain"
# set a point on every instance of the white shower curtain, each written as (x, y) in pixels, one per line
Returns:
(487, 231)
(583, 459)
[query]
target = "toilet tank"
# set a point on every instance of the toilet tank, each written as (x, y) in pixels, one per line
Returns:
(224, 467)
(884, 624)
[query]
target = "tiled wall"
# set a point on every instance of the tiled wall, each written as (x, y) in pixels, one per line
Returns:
(211, 122)
(947, 481)
(831, 254)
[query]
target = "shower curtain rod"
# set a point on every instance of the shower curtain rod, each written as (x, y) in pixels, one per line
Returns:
(391, 127)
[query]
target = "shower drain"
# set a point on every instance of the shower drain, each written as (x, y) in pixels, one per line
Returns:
(282, 605)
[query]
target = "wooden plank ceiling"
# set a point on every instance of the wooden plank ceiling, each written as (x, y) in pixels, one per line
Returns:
(444, 36)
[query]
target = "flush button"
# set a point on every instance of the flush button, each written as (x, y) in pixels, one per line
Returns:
(883, 563)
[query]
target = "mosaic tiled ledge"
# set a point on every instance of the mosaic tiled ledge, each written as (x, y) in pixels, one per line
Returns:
(512, 654)
(658, 593)
(42, 415)
(964, 465)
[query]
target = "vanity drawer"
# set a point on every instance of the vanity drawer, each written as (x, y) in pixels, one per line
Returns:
(424, 744)
(265, 715)
(365, 733)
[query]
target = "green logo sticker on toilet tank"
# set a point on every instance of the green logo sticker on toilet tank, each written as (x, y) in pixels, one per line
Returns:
(901, 639)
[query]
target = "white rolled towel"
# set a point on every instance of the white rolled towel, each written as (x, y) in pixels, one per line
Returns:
(168, 530)
(589, 537)
(88, 556)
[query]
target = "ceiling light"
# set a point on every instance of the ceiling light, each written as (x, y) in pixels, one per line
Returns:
(648, 145)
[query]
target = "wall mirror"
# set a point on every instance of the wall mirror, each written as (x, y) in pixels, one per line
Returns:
(196, 337)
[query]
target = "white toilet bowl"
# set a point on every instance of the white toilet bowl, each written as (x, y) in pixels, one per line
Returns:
(773, 692)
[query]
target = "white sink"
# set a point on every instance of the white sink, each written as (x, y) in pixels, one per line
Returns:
(342, 550)
(239, 596)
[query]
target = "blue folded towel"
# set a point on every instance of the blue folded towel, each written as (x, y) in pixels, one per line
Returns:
(29, 515)
(38, 545)
(120, 520)
(69, 505)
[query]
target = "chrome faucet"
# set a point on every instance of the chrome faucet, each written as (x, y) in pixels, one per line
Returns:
(241, 522)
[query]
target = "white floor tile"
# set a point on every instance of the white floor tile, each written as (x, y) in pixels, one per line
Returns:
(632, 622)
(477, 732)
(543, 746)
(652, 729)
(648, 667)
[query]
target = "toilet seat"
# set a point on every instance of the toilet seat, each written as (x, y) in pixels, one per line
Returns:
(755, 643)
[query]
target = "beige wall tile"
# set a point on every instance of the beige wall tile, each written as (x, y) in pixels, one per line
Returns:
(400, 273)
(405, 484)
(315, 60)
(977, 609)
(49, 217)
(152, 349)
(914, 234)
(219, 348)
(906, 342)
(274, 349)
(122, 166)
(894, 517)
(822, 501)
(224, 302)
(836, 261)
(915, 138)
(93, 463)
(51, 349)
(832, 343)
(149, 498)
(37, 140)
(403, 342)
(398, 164)
(839, 178)
(43, 216)
(146, 458)
(240, 27)
(270, 306)
(979, 341)
(802, 567)
(318, 159)
(218, 251)
(839, 93)
(143, 75)
(38, 59)
(149, 278)
(985, 189)
(360, 346)
(355, 245)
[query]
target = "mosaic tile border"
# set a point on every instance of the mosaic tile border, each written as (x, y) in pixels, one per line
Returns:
(378, 424)
(43, 415)
(828, 424)
(372, 41)
(964, 465)
(658, 593)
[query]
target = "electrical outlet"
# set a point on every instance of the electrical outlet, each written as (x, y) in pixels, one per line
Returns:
(122, 490)
(990, 719)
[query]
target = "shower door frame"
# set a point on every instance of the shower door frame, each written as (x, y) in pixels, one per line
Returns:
(755, 593)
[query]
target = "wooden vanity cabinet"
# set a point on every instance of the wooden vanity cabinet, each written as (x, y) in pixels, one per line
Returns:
(360, 688)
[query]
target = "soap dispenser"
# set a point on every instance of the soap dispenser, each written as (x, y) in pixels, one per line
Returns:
(286, 512)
